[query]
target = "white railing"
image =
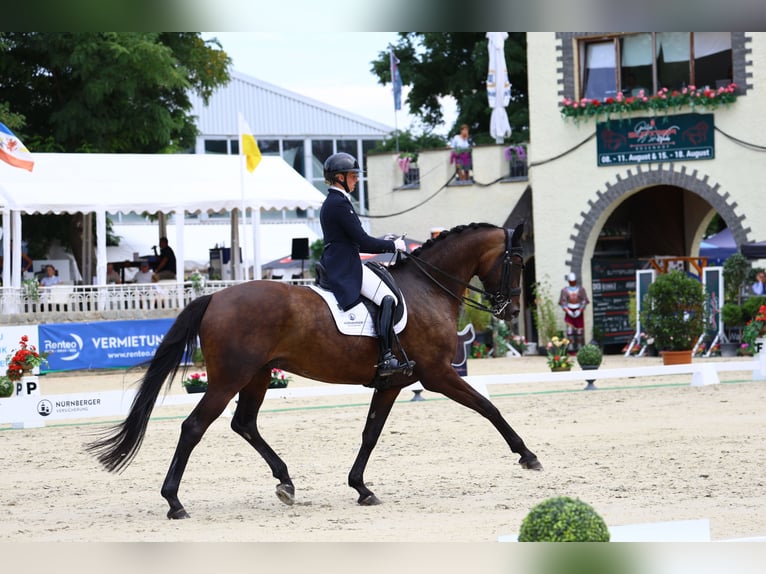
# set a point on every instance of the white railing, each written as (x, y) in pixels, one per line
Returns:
(62, 303)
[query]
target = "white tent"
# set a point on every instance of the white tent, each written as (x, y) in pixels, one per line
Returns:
(179, 183)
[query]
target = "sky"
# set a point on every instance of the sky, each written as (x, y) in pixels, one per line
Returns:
(333, 68)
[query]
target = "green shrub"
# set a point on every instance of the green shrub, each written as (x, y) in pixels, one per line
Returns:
(563, 519)
(675, 311)
(589, 354)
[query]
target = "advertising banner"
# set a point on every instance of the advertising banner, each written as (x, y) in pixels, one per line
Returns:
(101, 345)
(681, 137)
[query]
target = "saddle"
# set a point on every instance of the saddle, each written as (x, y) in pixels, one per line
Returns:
(362, 317)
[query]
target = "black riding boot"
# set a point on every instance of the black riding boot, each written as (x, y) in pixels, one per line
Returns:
(389, 364)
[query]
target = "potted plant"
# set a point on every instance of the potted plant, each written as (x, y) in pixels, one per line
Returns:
(731, 315)
(279, 379)
(754, 333)
(589, 358)
(198, 359)
(674, 315)
(6, 387)
(563, 519)
(195, 383)
(24, 360)
(545, 314)
(558, 359)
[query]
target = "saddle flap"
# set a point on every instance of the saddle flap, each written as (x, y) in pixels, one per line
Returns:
(385, 276)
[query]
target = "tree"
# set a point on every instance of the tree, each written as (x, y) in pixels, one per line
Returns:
(103, 92)
(455, 64)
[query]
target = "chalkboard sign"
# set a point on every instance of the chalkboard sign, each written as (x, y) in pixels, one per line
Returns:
(612, 282)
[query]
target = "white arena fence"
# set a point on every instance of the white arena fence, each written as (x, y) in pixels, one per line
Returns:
(31, 408)
(62, 303)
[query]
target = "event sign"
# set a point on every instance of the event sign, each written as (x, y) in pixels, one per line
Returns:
(682, 137)
(101, 345)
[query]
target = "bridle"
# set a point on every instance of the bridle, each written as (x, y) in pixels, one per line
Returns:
(505, 293)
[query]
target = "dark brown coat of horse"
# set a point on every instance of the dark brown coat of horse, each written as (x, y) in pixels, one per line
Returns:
(268, 324)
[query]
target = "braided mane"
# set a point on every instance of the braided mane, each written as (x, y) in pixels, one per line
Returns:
(457, 229)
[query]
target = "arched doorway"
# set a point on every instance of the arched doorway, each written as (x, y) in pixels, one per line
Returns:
(651, 212)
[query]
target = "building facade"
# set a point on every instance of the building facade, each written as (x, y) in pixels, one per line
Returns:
(619, 191)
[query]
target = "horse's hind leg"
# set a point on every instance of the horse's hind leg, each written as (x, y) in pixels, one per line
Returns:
(380, 407)
(452, 386)
(245, 423)
(192, 429)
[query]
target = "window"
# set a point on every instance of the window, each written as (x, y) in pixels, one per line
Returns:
(650, 61)
(216, 146)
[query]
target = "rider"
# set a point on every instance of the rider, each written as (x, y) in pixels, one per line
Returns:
(344, 237)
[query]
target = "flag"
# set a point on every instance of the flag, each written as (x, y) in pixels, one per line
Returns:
(396, 80)
(14, 152)
(248, 146)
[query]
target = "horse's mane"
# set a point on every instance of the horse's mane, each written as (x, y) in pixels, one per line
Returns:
(439, 238)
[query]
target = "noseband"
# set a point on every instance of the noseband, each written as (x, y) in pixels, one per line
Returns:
(505, 293)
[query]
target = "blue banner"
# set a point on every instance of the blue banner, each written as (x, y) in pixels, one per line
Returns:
(102, 345)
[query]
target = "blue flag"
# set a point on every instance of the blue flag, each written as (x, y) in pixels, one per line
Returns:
(396, 80)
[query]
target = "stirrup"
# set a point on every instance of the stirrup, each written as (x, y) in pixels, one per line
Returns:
(390, 365)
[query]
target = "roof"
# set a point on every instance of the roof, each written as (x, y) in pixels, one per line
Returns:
(71, 183)
(272, 111)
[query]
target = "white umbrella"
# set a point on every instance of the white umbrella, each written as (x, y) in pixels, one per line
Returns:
(498, 86)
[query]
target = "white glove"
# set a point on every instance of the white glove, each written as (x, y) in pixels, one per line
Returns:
(400, 244)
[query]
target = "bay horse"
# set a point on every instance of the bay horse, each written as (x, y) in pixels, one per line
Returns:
(269, 324)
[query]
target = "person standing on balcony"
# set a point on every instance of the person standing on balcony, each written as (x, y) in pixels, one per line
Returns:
(461, 153)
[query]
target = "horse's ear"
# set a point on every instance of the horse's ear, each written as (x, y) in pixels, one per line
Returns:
(518, 231)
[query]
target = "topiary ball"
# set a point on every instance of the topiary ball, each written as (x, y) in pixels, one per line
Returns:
(563, 519)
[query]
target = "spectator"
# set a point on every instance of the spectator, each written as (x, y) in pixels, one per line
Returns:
(144, 274)
(166, 268)
(112, 277)
(759, 287)
(461, 153)
(50, 278)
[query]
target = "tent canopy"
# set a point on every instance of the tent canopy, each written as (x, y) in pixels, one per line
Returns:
(71, 183)
(719, 246)
(101, 183)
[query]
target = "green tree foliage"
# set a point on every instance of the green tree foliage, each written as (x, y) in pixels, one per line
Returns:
(108, 92)
(455, 64)
(102, 92)
(409, 142)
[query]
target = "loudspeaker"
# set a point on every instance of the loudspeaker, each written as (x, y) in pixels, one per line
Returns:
(300, 248)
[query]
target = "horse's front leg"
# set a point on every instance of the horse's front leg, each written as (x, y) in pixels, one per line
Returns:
(451, 385)
(380, 407)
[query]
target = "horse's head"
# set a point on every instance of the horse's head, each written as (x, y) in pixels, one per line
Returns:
(503, 280)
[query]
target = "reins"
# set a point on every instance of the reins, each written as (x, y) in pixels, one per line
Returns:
(500, 300)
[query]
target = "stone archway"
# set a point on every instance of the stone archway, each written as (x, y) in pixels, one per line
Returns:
(645, 176)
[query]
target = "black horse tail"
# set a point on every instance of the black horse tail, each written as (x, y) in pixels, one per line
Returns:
(120, 444)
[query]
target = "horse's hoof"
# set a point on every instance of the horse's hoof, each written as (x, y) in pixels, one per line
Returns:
(369, 500)
(286, 494)
(178, 514)
(532, 464)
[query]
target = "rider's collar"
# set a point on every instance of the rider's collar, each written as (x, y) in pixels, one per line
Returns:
(343, 191)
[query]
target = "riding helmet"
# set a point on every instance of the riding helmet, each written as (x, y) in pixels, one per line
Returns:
(340, 163)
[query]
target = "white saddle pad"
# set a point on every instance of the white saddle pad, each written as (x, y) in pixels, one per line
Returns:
(357, 320)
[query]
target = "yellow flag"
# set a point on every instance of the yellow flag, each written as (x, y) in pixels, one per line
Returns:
(248, 146)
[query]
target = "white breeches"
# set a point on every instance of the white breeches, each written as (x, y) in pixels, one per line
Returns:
(373, 288)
